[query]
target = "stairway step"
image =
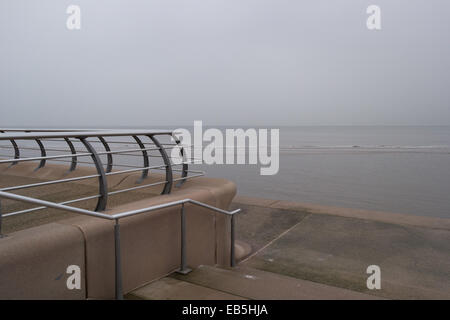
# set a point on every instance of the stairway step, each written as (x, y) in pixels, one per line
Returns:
(173, 289)
(262, 285)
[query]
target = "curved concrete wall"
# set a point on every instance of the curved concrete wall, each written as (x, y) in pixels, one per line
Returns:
(33, 262)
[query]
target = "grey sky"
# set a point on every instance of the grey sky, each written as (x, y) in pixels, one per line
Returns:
(242, 62)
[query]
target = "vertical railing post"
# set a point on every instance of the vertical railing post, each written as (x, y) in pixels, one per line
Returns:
(43, 154)
(1, 234)
(118, 265)
(102, 182)
(184, 171)
(232, 255)
(16, 149)
(183, 267)
(169, 176)
(73, 163)
(109, 157)
(183, 238)
(145, 157)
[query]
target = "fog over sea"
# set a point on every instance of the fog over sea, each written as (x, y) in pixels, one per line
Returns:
(401, 169)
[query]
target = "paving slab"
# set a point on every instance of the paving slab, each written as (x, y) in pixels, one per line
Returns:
(382, 216)
(336, 250)
(257, 226)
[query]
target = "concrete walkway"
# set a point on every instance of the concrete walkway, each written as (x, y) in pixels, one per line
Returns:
(334, 246)
(303, 251)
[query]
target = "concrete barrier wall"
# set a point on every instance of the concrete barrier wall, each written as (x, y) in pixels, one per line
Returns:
(34, 262)
(150, 243)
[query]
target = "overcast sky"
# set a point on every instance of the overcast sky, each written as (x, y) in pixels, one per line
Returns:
(227, 62)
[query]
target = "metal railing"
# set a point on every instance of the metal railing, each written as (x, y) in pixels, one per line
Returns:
(88, 139)
(117, 254)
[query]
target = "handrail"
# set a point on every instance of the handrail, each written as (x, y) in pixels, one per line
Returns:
(49, 204)
(98, 136)
(38, 184)
(82, 134)
(117, 216)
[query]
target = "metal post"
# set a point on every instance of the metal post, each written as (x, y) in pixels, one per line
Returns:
(184, 171)
(1, 235)
(169, 176)
(232, 257)
(145, 157)
(73, 163)
(16, 149)
(183, 268)
(118, 266)
(109, 155)
(102, 182)
(43, 154)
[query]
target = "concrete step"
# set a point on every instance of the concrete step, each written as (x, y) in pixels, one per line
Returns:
(261, 285)
(173, 289)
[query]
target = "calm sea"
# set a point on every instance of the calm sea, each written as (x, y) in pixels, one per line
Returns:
(399, 169)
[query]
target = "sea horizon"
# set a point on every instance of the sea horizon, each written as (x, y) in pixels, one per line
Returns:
(400, 169)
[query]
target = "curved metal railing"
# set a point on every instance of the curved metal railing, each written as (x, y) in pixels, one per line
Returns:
(92, 141)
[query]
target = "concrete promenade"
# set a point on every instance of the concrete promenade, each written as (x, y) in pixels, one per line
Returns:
(334, 246)
(290, 250)
(294, 250)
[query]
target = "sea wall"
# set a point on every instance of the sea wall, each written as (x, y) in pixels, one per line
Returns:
(34, 261)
